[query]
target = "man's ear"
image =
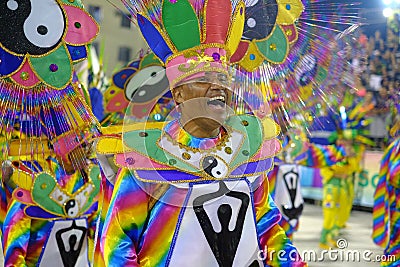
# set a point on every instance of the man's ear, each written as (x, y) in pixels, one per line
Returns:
(178, 94)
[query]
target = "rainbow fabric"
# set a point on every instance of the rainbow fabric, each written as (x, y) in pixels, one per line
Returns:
(322, 156)
(131, 230)
(386, 216)
(104, 204)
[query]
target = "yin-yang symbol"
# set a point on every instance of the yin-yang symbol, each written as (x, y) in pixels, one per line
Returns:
(260, 18)
(147, 84)
(71, 208)
(214, 167)
(306, 70)
(31, 26)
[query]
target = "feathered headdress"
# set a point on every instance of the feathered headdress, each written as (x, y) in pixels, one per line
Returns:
(190, 37)
(284, 47)
(351, 125)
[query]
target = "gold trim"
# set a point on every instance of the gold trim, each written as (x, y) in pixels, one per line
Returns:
(200, 47)
(201, 178)
(203, 32)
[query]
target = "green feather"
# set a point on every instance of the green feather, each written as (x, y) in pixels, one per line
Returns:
(275, 47)
(181, 23)
(149, 60)
(252, 129)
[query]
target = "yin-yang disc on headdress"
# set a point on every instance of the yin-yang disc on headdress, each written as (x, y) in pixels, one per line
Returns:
(139, 92)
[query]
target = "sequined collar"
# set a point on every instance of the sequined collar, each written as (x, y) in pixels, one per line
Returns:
(179, 136)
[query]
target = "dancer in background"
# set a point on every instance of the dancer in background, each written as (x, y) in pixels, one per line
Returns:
(285, 178)
(53, 203)
(338, 180)
(386, 213)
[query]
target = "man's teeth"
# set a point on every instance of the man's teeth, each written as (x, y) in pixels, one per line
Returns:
(218, 98)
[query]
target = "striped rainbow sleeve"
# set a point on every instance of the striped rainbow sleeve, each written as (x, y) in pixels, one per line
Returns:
(3, 207)
(272, 176)
(380, 213)
(389, 176)
(394, 163)
(319, 156)
(124, 222)
(16, 233)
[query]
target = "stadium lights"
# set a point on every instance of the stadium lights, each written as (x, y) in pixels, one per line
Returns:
(387, 12)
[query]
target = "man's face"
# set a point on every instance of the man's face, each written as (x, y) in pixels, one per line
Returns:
(204, 100)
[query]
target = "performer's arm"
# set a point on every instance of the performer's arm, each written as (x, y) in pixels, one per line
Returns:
(16, 235)
(124, 222)
(277, 247)
(320, 156)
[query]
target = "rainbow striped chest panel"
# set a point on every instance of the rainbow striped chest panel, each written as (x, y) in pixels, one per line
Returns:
(217, 227)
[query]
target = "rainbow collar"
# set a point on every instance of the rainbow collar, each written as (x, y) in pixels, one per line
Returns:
(176, 132)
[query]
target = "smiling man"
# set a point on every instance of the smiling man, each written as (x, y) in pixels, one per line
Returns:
(203, 104)
(192, 191)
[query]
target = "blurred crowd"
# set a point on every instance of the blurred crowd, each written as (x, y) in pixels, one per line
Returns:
(375, 74)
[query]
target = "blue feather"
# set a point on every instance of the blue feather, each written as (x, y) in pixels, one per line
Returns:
(154, 39)
(96, 99)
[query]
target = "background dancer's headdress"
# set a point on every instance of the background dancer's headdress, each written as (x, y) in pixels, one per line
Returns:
(37, 54)
(140, 90)
(351, 125)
